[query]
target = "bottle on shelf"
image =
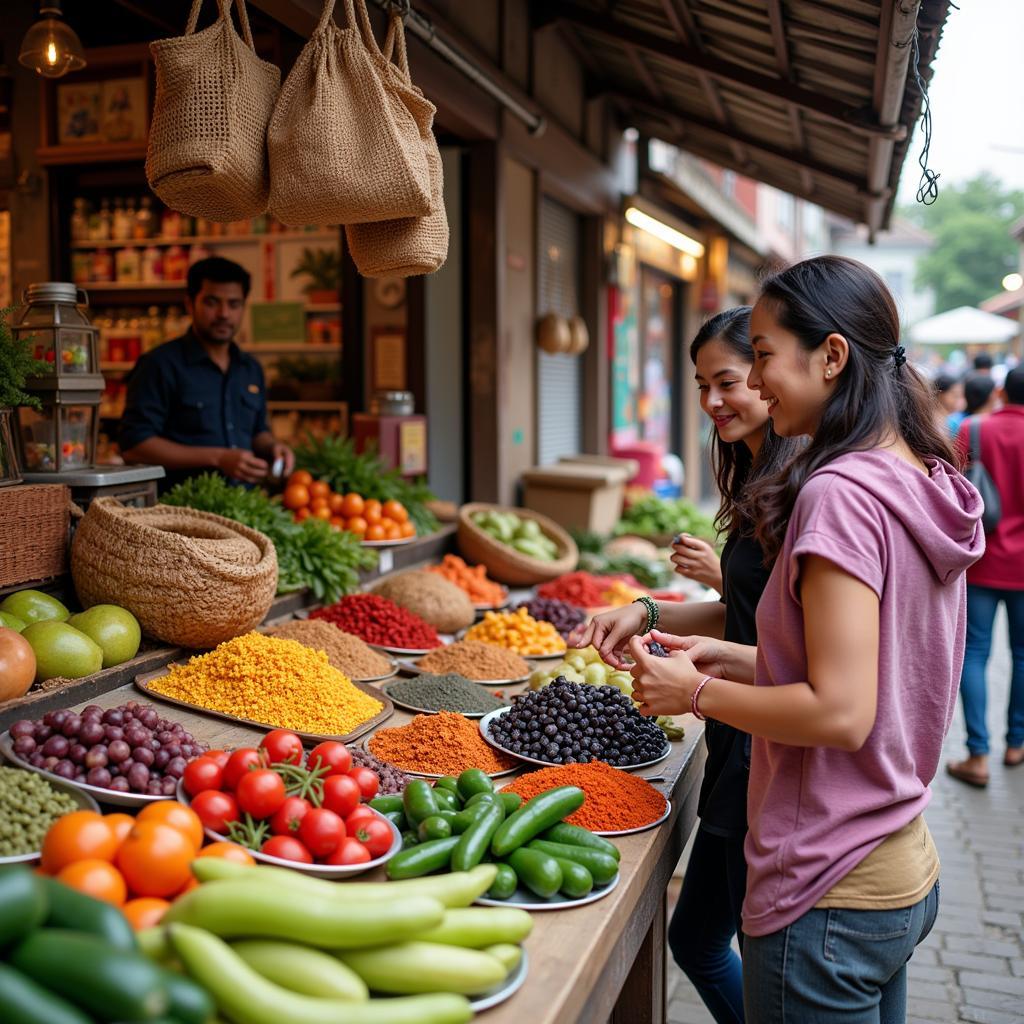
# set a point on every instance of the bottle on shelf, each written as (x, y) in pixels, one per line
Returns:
(175, 264)
(145, 222)
(197, 252)
(152, 265)
(152, 329)
(102, 271)
(170, 223)
(80, 221)
(119, 222)
(175, 323)
(103, 223)
(81, 266)
(128, 265)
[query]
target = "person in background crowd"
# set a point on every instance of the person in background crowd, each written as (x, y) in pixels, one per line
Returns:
(744, 448)
(980, 396)
(997, 577)
(198, 402)
(951, 402)
(982, 364)
(861, 633)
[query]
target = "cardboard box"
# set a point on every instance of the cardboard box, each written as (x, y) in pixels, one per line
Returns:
(583, 496)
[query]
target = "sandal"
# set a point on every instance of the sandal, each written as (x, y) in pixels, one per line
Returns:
(1013, 757)
(959, 770)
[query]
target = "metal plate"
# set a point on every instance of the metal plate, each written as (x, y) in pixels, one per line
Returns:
(379, 679)
(405, 665)
(461, 635)
(432, 711)
(500, 606)
(491, 715)
(405, 652)
(508, 988)
(437, 775)
(83, 799)
(642, 828)
(526, 900)
(94, 793)
(328, 871)
(390, 543)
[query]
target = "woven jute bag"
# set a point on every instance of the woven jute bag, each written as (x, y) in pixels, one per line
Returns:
(191, 578)
(412, 245)
(344, 140)
(207, 152)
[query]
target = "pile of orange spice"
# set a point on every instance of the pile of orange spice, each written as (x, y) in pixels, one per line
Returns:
(441, 744)
(615, 800)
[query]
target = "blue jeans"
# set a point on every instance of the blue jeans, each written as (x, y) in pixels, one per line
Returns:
(705, 920)
(836, 966)
(981, 612)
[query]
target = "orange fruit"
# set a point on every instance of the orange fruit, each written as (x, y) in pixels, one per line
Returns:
(319, 489)
(352, 505)
(295, 496)
(121, 824)
(357, 525)
(337, 522)
(392, 531)
(228, 851)
(375, 532)
(322, 512)
(318, 503)
(81, 835)
(300, 476)
(336, 503)
(302, 514)
(395, 510)
(96, 878)
(170, 812)
(372, 511)
(145, 912)
(155, 859)
(408, 529)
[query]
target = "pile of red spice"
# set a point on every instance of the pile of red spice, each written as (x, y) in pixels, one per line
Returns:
(615, 800)
(583, 589)
(380, 621)
(441, 744)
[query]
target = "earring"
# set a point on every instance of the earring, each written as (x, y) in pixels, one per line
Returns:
(828, 373)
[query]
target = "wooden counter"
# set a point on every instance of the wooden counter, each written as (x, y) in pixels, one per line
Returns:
(602, 962)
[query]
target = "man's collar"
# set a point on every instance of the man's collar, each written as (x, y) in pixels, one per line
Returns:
(195, 353)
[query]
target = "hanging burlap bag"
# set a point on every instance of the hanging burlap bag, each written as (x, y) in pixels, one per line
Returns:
(208, 141)
(344, 141)
(412, 245)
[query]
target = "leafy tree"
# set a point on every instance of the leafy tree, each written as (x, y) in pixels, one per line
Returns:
(973, 248)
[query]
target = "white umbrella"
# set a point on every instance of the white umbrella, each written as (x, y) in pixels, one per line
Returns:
(964, 326)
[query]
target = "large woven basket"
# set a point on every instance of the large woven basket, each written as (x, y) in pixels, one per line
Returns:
(191, 578)
(35, 521)
(505, 563)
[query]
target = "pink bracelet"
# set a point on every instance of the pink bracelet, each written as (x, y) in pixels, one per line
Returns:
(694, 710)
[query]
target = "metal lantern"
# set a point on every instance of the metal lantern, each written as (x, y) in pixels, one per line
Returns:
(63, 435)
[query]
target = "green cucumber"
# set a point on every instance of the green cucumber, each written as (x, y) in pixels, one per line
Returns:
(310, 972)
(111, 983)
(477, 927)
(397, 818)
(410, 839)
(189, 1003)
(573, 835)
(473, 781)
(434, 827)
(537, 871)
(448, 782)
(23, 1001)
(511, 802)
(447, 800)
(543, 811)
(24, 902)
(505, 883)
(489, 797)
(507, 952)
(577, 881)
(476, 840)
(466, 817)
(412, 968)
(76, 911)
(387, 804)
(600, 865)
(422, 859)
(418, 801)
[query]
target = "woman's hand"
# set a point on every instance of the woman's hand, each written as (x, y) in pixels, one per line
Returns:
(610, 631)
(697, 560)
(662, 686)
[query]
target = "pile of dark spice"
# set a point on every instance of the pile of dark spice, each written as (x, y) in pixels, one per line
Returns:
(392, 779)
(444, 693)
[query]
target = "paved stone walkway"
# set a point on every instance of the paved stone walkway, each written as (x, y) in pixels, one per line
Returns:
(971, 967)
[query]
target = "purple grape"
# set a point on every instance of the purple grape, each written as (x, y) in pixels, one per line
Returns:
(154, 744)
(58, 719)
(79, 776)
(24, 745)
(165, 736)
(138, 777)
(77, 753)
(36, 760)
(23, 728)
(56, 746)
(188, 751)
(92, 711)
(173, 749)
(119, 751)
(48, 718)
(71, 726)
(49, 763)
(143, 755)
(98, 777)
(160, 759)
(96, 757)
(132, 705)
(149, 718)
(64, 768)
(43, 732)
(113, 732)
(112, 716)
(168, 786)
(119, 785)
(175, 767)
(91, 731)
(154, 788)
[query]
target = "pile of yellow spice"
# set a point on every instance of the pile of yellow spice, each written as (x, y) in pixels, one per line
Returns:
(278, 683)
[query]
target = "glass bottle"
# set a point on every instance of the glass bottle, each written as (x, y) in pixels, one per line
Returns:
(129, 218)
(104, 223)
(118, 221)
(144, 219)
(80, 221)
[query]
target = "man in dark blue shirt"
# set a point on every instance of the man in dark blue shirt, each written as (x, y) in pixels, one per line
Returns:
(198, 402)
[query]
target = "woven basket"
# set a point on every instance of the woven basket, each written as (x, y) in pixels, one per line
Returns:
(34, 524)
(505, 564)
(191, 578)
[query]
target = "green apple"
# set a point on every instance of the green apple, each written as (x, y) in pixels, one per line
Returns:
(62, 650)
(34, 606)
(590, 655)
(114, 628)
(623, 680)
(595, 674)
(12, 622)
(576, 661)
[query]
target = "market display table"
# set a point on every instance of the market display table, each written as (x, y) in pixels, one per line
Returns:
(604, 962)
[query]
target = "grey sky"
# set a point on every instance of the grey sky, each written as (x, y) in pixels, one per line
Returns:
(975, 97)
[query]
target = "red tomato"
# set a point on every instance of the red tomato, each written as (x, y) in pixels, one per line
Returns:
(360, 814)
(375, 835)
(330, 754)
(349, 851)
(321, 830)
(241, 761)
(341, 794)
(282, 745)
(286, 848)
(289, 815)
(220, 756)
(202, 773)
(368, 781)
(215, 809)
(261, 793)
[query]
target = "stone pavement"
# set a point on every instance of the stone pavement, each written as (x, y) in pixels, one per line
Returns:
(971, 966)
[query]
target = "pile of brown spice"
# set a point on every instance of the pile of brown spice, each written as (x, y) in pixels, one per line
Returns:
(441, 744)
(475, 660)
(615, 800)
(347, 653)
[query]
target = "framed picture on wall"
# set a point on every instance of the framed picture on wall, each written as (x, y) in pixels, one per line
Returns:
(79, 112)
(124, 112)
(388, 359)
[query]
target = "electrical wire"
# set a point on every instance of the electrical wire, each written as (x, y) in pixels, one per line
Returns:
(928, 187)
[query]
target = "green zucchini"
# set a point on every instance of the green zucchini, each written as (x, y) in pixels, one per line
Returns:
(577, 881)
(505, 883)
(434, 827)
(573, 835)
(537, 871)
(311, 972)
(543, 811)
(80, 913)
(473, 781)
(24, 1001)
(448, 782)
(422, 859)
(411, 968)
(466, 817)
(510, 801)
(507, 952)
(397, 818)
(600, 865)
(418, 801)
(387, 804)
(24, 903)
(475, 841)
(188, 1002)
(490, 797)
(447, 800)
(477, 927)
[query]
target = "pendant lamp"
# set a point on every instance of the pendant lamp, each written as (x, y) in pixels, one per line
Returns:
(51, 47)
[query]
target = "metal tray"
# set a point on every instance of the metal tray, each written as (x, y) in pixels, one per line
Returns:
(406, 665)
(430, 711)
(73, 790)
(437, 775)
(508, 988)
(491, 715)
(526, 900)
(379, 679)
(142, 683)
(461, 635)
(642, 828)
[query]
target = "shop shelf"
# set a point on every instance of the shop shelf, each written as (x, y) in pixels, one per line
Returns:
(115, 367)
(299, 406)
(323, 307)
(293, 347)
(270, 236)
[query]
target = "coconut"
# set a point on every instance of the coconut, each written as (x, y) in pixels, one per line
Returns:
(434, 599)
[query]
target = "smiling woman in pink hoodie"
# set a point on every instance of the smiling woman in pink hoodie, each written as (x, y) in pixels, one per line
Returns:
(854, 681)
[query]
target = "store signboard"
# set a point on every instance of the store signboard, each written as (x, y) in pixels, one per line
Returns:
(276, 323)
(625, 367)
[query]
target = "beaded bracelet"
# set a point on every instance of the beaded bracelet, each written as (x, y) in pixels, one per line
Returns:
(652, 611)
(694, 710)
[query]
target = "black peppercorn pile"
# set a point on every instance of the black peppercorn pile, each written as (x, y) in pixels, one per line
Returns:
(570, 723)
(562, 615)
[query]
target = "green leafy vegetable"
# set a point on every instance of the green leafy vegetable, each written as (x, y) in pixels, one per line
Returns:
(654, 574)
(658, 517)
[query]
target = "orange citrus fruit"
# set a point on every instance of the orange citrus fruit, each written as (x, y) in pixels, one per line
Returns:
(96, 878)
(81, 835)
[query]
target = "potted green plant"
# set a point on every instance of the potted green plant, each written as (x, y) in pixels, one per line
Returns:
(17, 364)
(311, 379)
(323, 268)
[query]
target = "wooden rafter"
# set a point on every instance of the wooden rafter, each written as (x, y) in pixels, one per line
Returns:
(643, 72)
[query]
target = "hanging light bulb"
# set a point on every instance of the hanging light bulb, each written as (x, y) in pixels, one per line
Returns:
(50, 46)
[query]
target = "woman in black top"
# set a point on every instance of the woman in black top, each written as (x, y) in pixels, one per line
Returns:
(707, 916)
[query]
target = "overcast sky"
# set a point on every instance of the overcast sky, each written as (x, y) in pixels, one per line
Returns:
(976, 97)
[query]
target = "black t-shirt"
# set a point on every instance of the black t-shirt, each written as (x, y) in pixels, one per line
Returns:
(723, 795)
